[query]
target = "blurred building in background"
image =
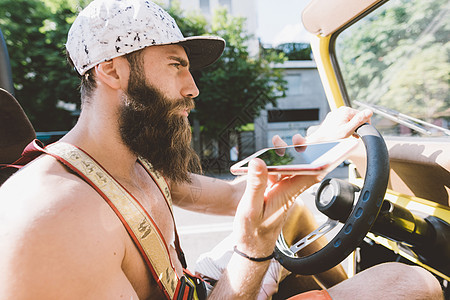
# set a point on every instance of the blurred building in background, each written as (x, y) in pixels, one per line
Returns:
(305, 105)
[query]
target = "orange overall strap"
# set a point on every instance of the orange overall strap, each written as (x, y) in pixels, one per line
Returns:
(136, 220)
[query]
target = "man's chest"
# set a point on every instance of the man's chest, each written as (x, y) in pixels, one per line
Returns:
(142, 204)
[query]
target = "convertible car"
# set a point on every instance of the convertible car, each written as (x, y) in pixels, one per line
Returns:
(390, 56)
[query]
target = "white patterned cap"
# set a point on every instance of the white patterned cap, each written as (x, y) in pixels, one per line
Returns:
(110, 28)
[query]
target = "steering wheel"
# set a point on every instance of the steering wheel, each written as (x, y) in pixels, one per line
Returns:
(360, 218)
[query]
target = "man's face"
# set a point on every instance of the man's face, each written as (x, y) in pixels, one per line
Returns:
(156, 127)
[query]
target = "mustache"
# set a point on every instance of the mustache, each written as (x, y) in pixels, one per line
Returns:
(171, 108)
(183, 104)
(144, 98)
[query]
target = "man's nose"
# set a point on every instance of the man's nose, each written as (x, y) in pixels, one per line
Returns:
(189, 88)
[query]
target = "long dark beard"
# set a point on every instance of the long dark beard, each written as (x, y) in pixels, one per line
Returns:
(152, 127)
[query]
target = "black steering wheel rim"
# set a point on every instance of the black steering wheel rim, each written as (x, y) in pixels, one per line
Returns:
(360, 219)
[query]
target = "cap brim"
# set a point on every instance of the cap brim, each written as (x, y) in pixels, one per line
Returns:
(203, 51)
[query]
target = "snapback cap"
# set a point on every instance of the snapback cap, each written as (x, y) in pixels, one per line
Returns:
(106, 29)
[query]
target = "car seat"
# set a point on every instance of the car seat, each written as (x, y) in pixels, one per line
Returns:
(16, 132)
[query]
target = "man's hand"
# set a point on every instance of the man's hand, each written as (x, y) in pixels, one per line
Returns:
(340, 123)
(263, 209)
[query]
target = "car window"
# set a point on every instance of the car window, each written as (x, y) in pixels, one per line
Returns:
(397, 60)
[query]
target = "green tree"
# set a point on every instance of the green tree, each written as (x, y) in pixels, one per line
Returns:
(423, 84)
(35, 34)
(293, 51)
(399, 57)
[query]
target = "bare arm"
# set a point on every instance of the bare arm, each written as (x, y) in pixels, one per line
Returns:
(209, 195)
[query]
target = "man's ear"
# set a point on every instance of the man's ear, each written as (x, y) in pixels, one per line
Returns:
(113, 73)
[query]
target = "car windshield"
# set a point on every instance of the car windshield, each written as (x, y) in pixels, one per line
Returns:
(397, 60)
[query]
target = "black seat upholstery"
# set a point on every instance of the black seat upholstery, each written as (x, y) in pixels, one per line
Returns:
(16, 131)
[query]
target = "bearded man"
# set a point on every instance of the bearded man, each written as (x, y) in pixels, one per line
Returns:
(91, 218)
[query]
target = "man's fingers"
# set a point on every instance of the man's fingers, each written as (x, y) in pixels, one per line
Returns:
(274, 178)
(363, 116)
(297, 139)
(278, 142)
(359, 119)
(292, 186)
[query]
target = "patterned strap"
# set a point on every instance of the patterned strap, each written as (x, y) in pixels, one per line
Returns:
(164, 188)
(159, 180)
(136, 220)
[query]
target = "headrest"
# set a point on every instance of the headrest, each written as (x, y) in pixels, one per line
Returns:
(16, 130)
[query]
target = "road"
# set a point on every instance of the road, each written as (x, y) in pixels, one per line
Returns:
(199, 232)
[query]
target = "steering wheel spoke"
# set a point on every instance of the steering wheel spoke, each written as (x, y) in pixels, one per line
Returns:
(313, 236)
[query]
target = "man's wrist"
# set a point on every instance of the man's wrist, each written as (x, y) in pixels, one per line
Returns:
(252, 258)
(257, 249)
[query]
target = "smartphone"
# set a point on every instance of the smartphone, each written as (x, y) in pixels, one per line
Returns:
(301, 159)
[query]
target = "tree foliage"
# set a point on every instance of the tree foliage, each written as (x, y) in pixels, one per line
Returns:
(35, 34)
(292, 51)
(399, 57)
(233, 90)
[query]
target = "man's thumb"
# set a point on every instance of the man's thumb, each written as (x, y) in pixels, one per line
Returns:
(256, 182)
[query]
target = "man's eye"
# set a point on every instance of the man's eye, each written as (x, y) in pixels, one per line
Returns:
(176, 65)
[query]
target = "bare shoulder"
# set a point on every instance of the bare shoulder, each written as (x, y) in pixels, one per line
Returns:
(55, 228)
(46, 191)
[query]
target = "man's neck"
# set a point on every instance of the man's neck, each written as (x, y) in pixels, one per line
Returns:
(97, 133)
